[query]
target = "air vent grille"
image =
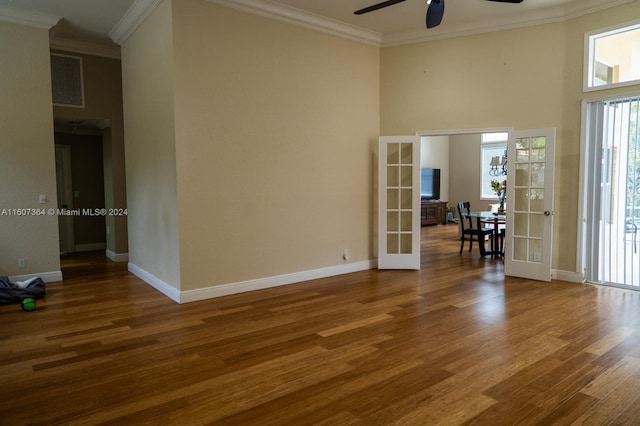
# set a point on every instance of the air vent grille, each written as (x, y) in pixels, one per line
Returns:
(66, 80)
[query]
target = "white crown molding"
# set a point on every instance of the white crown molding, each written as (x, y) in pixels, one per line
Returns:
(452, 31)
(545, 16)
(585, 7)
(132, 19)
(304, 19)
(28, 17)
(85, 48)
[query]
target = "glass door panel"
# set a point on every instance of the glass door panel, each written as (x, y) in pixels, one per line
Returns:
(530, 205)
(399, 228)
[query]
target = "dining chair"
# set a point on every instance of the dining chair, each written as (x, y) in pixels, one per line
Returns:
(468, 231)
(493, 208)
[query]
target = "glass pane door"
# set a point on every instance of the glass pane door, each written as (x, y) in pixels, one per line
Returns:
(530, 205)
(399, 207)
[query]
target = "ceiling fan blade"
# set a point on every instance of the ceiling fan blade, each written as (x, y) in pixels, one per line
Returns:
(435, 12)
(377, 6)
(508, 1)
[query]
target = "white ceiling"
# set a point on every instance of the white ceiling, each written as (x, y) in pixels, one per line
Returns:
(92, 22)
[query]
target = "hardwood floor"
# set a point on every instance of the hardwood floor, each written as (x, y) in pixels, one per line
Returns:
(454, 343)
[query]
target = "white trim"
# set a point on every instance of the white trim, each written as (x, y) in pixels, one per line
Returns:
(303, 19)
(90, 247)
(46, 276)
(313, 21)
(132, 19)
(528, 19)
(268, 282)
(572, 277)
(589, 55)
(155, 282)
(28, 17)
(117, 257)
(244, 286)
(453, 132)
(85, 48)
(580, 248)
(611, 96)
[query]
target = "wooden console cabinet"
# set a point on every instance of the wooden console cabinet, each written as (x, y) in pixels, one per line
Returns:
(433, 212)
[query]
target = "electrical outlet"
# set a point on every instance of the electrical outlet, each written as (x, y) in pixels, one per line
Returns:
(21, 263)
(346, 255)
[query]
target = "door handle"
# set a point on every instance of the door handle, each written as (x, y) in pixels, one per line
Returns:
(547, 213)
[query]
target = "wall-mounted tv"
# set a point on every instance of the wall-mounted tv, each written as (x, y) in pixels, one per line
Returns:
(430, 184)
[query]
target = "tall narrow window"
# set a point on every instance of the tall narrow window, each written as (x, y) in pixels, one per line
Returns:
(493, 157)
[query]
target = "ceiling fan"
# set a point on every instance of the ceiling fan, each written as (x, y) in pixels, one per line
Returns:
(435, 11)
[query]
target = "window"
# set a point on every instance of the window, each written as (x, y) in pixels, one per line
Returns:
(493, 151)
(612, 57)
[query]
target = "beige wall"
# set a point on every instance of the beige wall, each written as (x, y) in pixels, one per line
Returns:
(464, 153)
(147, 79)
(434, 153)
(523, 78)
(27, 164)
(275, 127)
(103, 101)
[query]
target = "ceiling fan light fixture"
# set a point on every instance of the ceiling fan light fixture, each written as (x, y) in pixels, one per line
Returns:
(435, 12)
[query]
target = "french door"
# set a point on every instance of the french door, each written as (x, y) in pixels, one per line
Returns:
(399, 202)
(529, 232)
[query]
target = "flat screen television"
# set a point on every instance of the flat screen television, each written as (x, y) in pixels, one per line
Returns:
(430, 184)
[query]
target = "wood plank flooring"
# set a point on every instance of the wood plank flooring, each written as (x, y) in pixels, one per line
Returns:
(454, 343)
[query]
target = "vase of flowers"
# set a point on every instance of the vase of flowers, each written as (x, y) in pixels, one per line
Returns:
(500, 188)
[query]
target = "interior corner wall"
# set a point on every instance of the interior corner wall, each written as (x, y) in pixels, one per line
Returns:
(275, 132)
(27, 163)
(147, 79)
(525, 78)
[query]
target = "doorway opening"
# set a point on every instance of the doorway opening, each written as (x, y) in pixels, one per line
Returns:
(80, 178)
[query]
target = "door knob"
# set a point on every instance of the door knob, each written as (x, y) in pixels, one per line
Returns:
(547, 213)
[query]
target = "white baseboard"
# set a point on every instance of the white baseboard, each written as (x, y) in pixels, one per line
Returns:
(572, 277)
(117, 257)
(89, 247)
(268, 282)
(47, 277)
(244, 286)
(155, 282)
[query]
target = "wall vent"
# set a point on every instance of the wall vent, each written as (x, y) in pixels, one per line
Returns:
(66, 80)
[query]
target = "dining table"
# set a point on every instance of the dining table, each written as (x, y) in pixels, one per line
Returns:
(484, 217)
